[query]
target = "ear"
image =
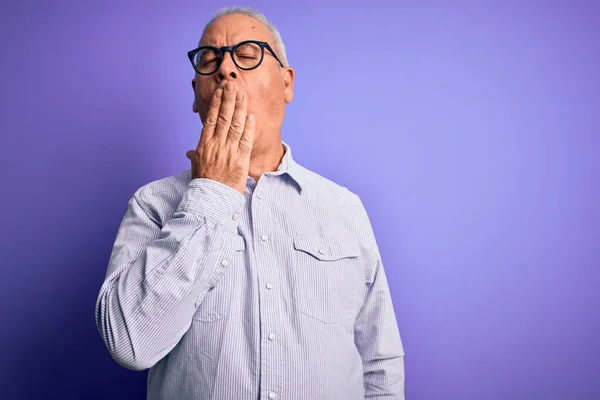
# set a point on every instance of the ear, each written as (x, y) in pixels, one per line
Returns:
(194, 105)
(288, 74)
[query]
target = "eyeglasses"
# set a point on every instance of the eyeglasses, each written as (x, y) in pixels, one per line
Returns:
(246, 55)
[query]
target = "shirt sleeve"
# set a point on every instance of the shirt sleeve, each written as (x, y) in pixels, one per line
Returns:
(158, 275)
(376, 331)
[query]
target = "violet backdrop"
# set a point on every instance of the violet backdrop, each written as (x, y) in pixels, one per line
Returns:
(470, 129)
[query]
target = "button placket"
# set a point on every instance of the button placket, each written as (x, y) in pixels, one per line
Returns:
(267, 275)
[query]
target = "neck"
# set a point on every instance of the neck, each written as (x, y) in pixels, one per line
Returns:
(265, 157)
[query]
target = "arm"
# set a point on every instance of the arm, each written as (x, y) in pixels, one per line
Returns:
(376, 332)
(157, 276)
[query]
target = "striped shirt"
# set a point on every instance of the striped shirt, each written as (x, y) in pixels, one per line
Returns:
(279, 293)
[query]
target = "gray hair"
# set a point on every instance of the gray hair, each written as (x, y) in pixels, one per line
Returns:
(278, 45)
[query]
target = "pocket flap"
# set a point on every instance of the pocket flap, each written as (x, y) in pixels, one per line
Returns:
(329, 249)
(240, 243)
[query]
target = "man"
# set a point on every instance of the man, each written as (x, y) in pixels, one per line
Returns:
(249, 276)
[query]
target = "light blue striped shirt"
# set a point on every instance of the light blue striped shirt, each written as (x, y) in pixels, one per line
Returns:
(279, 293)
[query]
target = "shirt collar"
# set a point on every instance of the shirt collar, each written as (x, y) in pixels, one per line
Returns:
(290, 167)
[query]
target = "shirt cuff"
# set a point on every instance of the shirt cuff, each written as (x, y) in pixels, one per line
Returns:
(208, 198)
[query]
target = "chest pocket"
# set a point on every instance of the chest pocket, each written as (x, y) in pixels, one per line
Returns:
(329, 283)
(223, 298)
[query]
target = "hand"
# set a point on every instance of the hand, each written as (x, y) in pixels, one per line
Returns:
(223, 153)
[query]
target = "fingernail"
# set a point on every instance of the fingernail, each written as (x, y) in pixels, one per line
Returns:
(239, 97)
(251, 117)
(219, 93)
(229, 86)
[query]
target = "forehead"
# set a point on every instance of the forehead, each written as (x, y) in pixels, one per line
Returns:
(234, 28)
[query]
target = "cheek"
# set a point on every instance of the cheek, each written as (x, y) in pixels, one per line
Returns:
(202, 102)
(263, 95)
(203, 97)
(202, 92)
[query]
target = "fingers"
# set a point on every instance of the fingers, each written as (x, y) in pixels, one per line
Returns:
(212, 115)
(247, 139)
(238, 120)
(226, 119)
(225, 113)
(228, 135)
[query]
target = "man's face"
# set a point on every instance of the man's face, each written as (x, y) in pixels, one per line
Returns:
(268, 88)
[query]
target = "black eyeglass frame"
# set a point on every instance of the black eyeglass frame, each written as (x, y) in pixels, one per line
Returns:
(231, 49)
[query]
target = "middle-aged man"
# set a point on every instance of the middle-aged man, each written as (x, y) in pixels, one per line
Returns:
(249, 276)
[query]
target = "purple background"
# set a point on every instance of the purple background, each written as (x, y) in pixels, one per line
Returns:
(470, 129)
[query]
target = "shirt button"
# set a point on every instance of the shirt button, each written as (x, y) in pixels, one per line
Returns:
(269, 286)
(271, 336)
(272, 395)
(259, 196)
(224, 262)
(321, 251)
(264, 237)
(235, 217)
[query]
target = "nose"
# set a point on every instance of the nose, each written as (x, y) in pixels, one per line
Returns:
(227, 69)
